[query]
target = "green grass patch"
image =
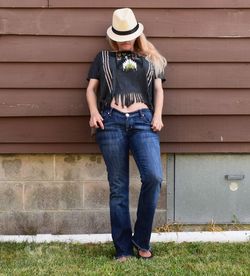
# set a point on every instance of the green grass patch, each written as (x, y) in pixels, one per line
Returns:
(97, 259)
(211, 227)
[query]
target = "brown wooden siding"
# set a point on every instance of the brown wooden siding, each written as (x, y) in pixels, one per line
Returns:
(151, 4)
(47, 46)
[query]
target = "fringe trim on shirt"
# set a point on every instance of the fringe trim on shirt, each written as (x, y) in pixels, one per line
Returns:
(129, 98)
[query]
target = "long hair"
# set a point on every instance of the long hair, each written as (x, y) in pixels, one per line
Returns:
(145, 48)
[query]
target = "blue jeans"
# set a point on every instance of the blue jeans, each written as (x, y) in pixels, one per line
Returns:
(124, 132)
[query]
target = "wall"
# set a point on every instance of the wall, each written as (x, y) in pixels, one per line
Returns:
(47, 46)
(61, 194)
(51, 171)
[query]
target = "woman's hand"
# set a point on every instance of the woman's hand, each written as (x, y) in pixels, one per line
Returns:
(96, 120)
(157, 123)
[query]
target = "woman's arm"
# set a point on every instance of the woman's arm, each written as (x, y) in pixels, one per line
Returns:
(157, 123)
(95, 117)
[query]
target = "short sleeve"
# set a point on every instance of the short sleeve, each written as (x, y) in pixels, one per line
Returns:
(161, 76)
(94, 71)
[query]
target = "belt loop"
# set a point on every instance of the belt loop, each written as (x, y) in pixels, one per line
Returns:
(110, 111)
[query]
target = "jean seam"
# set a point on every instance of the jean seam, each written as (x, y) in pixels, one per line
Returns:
(144, 117)
(140, 248)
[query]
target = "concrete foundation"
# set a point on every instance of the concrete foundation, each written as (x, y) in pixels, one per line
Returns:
(62, 194)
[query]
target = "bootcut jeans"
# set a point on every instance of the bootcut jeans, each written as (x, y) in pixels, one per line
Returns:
(124, 133)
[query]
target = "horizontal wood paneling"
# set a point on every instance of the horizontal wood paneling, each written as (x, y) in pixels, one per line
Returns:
(204, 49)
(151, 4)
(208, 75)
(206, 147)
(50, 148)
(45, 54)
(72, 102)
(223, 128)
(73, 75)
(43, 75)
(79, 49)
(45, 130)
(24, 3)
(157, 22)
(129, 3)
(177, 129)
(207, 102)
(42, 102)
(50, 48)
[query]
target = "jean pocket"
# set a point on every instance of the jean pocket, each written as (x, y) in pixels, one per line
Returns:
(147, 116)
(106, 114)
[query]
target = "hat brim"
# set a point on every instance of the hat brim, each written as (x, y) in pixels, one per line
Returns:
(122, 38)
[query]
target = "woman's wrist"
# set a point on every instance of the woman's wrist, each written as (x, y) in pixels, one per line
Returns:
(93, 111)
(158, 113)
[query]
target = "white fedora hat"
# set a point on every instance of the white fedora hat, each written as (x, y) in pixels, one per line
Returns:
(124, 26)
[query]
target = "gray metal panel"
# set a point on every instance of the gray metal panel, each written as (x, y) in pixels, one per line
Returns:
(202, 192)
(170, 187)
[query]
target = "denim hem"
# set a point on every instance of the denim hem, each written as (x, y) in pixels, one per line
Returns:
(140, 248)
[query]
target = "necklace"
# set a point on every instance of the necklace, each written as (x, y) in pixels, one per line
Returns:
(128, 60)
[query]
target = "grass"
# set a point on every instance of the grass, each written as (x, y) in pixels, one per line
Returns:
(97, 259)
(212, 227)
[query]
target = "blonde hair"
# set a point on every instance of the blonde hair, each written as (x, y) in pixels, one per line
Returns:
(145, 48)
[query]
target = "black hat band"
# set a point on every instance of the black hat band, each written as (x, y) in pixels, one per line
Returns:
(126, 32)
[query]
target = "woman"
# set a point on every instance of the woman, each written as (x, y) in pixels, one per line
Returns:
(125, 99)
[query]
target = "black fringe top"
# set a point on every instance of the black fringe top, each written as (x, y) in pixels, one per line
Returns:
(125, 76)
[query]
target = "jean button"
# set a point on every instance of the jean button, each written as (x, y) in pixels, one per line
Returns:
(127, 115)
